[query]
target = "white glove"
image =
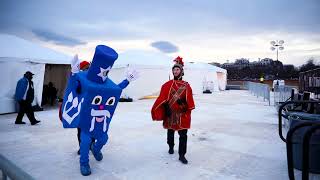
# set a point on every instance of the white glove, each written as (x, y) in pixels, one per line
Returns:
(131, 74)
(75, 64)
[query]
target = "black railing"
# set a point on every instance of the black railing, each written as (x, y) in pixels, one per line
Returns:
(290, 148)
(302, 151)
(306, 151)
(280, 115)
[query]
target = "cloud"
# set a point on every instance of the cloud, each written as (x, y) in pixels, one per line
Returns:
(165, 46)
(206, 30)
(92, 21)
(57, 38)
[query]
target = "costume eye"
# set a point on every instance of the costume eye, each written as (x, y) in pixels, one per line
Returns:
(96, 100)
(111, 101)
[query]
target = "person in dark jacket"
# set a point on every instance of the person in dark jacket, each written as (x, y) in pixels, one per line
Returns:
(24, 96)
(52, 93)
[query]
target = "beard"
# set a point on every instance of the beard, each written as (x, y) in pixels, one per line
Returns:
(179, 77)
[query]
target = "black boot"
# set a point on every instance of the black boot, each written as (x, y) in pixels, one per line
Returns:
(35, 122)
(79, 140)
(20, 122)
(183, 159)
(170, 140)
(183, 145)
(171, 151)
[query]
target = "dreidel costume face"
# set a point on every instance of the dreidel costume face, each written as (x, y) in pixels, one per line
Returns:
(91, 97)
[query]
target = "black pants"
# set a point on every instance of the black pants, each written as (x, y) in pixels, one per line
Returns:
(25, 108)
(79, 139)
(52, 100)
(182, 140)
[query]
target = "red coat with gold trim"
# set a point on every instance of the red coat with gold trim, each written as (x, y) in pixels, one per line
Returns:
(180, 117)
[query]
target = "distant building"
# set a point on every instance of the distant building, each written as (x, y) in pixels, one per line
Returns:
(266, 61)
(239, 64)
(243, 62)
(243, 69)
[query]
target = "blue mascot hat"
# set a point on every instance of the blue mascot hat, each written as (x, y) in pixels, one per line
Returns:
(103, 60)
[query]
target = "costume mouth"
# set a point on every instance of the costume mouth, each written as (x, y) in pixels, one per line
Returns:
(100, 115)
(99, 119)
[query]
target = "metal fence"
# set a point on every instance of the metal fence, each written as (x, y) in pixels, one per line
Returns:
(259, 90)
(10, 170)
(282, 93)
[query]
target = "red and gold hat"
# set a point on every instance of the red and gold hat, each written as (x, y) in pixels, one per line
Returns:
(84, 65)
(178, 62)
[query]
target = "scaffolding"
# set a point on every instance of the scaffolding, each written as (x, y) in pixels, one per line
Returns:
(310, 81)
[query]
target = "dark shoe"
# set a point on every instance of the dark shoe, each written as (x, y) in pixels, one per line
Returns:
(79, 152)
(183, 160)
(85, 170)
(35, 122)
(171, 151)
(97, 155)
(20, 122)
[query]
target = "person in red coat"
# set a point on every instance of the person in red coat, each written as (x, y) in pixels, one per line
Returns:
(173, 107)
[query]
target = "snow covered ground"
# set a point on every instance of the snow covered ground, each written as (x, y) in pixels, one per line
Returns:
(234, 136)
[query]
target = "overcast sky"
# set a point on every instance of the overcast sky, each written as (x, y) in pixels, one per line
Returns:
(198, 30)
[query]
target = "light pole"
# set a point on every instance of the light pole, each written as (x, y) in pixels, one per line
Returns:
(277, 45)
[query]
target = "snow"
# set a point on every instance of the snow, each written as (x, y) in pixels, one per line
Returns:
(234, 136)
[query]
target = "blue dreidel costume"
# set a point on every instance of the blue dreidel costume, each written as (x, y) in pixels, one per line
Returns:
(89, 103)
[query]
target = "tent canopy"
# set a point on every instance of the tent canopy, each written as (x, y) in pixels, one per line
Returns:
(18, 56)
(18, 49)
(155, 69)
(201, 65)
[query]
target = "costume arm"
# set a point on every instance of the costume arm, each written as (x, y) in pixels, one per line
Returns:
(123, 84)
(131, 75)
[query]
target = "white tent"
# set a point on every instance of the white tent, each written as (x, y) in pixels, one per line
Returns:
(201, 74)
(18, 56)
(155, 69)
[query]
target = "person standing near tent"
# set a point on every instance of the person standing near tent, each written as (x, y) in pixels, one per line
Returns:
(51, 93)
(84, 66)
(174, 106)
(76, 67)
(24, 96)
